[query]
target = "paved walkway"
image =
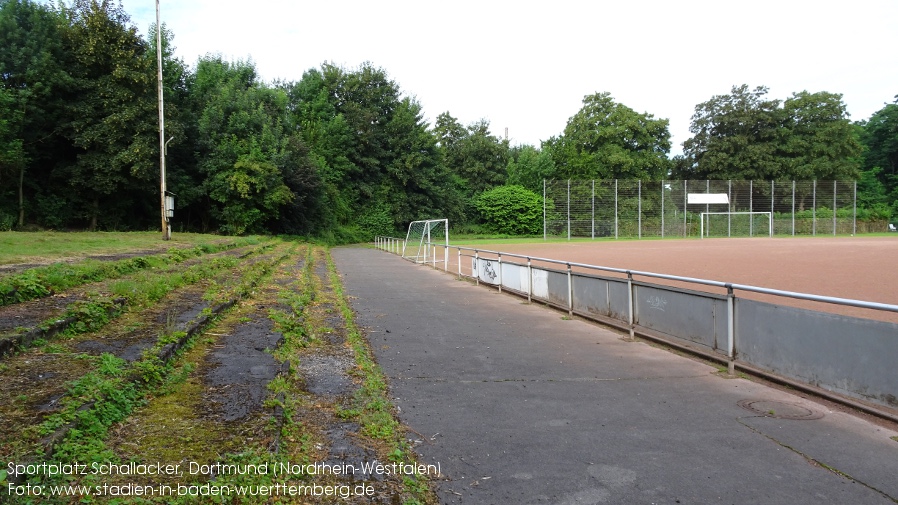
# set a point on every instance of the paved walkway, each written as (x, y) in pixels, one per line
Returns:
(519, 405)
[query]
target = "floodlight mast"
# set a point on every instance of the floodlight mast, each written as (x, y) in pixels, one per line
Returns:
(166, 228)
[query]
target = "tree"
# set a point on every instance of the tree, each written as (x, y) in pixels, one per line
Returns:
(449, 133)
(34, 83)
(379, 164)
(735, 136)
(243, 145)
(327, 136)
(880, 161)
(11, 156)
(608, 140)
(250, 192)
(475, 156)
(112, 115)
(820, 142)
(484, 158)
(529, 167)
(746, 136)
(302, 215)
(418, 185)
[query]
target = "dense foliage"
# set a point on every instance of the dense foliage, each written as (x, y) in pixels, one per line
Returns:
(342, 154)
(512, 210)
(745, 136)
(608, 140)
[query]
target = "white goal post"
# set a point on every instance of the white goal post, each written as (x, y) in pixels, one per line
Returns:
(702, 227)
(422, 239)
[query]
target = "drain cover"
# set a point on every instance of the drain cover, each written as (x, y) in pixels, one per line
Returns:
(780, 410)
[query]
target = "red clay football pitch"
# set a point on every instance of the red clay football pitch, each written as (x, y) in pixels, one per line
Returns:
(861, 268)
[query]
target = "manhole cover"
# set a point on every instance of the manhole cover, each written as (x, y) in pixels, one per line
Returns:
(780, 410)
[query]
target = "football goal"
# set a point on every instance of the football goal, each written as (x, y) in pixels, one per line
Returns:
(423, 240)
(736, 223)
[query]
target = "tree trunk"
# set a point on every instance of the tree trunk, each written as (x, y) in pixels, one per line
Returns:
(21, 196)
(93, 217)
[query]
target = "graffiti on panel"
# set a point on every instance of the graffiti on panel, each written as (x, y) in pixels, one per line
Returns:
(656, 302)
(489, 271)
(484, 270)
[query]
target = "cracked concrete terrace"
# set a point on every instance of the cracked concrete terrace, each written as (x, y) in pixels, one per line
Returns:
(520, 405)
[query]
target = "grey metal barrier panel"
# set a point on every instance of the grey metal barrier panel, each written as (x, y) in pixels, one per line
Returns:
(601, 296)
(558, 288)
(690, 315)
(847, 355)
(540, 283)
(486, 270)
(514, 276)
(619, 296)
(591, 295)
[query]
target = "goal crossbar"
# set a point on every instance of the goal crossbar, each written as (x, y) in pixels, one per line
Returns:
(703, 214)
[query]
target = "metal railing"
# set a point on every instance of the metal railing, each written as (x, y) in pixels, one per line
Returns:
(848, 355)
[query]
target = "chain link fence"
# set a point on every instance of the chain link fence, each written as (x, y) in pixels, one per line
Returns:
(637, 209)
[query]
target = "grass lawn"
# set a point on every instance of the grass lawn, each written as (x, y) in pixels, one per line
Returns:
(49, 246)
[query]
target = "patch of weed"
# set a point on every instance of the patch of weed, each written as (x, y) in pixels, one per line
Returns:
(370, 404)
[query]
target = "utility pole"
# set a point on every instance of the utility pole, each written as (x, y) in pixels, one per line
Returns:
(166, 228)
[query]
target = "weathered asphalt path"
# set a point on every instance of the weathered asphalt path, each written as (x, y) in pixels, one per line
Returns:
(520, 406)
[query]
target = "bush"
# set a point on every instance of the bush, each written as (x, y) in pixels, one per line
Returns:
(514, 210)
(376, 220)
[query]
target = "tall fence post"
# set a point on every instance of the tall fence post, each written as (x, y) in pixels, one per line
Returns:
(544, 210)
(459, 263)
(707, 207)
(639, 208)
(662, 209)
(731, 330)
(729, 208)
(793, 208)
(615, 209)
(834, 207)
(751, 208)
(685, 207)
(568, 209)
(814, 211)
(854, 217)
(593, 209)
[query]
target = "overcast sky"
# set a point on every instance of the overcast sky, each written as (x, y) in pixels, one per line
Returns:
(526, 66)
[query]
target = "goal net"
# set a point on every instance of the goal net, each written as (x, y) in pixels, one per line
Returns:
(426, 241)
(729, 224)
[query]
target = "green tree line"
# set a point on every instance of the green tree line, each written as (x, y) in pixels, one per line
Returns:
(342, 154)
